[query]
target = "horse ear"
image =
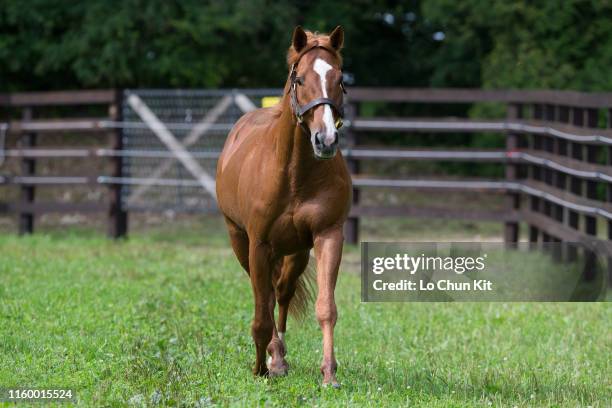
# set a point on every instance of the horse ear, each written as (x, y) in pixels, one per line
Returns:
(336, 38)
(299, 39)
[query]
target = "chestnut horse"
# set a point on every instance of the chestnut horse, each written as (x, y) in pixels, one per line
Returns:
(284, 188)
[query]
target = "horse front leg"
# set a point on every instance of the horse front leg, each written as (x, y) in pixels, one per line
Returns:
(260, 265)
(328, 252)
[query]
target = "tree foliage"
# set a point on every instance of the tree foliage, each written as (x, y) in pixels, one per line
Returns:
(525, 44)
(62, 44)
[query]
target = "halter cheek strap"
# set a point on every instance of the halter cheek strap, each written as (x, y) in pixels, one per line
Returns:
(301, 110)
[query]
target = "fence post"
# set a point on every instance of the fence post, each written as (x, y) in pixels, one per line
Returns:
(609, 198)
(561, 149)
(591, 193)
(547, 178)
(511, 228)
(555, 179)
(117, 215)
(351, 227)
(28, 168)
(534, 172)
(577, 119)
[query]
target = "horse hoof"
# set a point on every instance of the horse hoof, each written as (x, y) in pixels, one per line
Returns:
(334, 384)
(278, 372)
(277, 369)
(260, 371)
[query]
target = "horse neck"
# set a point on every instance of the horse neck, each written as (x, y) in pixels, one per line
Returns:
(293, 148)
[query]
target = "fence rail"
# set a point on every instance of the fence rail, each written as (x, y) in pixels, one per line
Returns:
(458, 95)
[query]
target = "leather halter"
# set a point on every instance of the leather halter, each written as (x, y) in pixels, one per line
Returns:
(301, 110)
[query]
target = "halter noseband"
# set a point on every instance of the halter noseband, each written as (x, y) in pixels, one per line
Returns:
(301, 110)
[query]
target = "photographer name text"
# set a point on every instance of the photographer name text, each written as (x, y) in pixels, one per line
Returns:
(422, 285)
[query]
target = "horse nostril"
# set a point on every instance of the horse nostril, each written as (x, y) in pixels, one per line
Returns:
(319, 139)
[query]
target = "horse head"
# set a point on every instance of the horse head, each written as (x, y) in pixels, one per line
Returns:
(316, 87)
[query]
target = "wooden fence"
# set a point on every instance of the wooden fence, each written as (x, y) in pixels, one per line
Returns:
(31, 130)
(557, 156)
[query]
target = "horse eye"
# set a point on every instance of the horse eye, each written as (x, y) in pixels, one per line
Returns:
(299, 80)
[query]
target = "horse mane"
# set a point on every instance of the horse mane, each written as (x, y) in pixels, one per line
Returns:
(313, 40)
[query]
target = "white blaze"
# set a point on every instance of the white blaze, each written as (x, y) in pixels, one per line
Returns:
(321, 67)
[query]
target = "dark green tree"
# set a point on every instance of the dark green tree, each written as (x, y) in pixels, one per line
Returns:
(62, 44)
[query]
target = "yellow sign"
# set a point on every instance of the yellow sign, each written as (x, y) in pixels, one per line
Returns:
(268, 101)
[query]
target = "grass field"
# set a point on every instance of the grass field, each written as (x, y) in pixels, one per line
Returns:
(165, 320)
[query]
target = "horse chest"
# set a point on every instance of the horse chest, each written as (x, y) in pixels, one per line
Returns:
(293, 229)
(287, 237)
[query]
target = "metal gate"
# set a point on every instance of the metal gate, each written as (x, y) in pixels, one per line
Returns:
(174, 138)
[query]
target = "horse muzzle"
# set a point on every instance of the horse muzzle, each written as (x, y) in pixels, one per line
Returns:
(325, 146)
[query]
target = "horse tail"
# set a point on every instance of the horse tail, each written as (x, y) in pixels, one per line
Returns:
(304, 293)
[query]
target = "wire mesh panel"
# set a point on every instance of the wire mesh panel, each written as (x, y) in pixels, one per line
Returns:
(199, 121)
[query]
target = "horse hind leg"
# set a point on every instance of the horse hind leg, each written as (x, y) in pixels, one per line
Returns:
(277, 366)
(240, 243)
(286, 286)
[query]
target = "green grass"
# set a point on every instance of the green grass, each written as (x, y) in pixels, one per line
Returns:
(166, 321)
